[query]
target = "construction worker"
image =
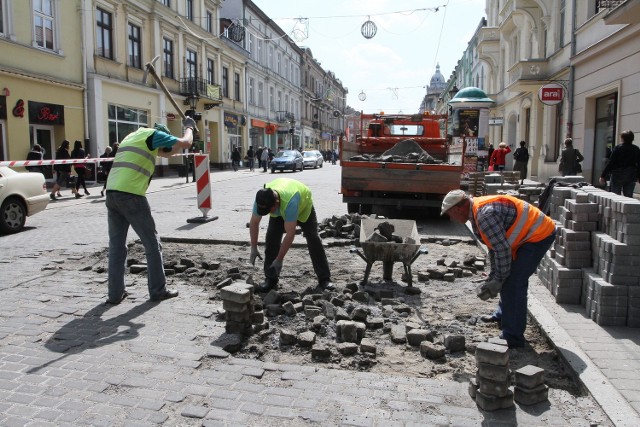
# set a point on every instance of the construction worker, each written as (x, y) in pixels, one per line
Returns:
(518, 235)
(127, 205)
(289, 203)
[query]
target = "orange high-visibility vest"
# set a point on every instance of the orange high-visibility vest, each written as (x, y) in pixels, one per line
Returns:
(531, 224)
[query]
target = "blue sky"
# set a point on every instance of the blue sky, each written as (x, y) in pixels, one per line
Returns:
(392, 67)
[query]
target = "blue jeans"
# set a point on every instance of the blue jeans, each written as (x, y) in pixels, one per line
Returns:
(512, 309)
(124, 210)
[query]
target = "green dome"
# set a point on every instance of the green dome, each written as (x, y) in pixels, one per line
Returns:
(471, 94)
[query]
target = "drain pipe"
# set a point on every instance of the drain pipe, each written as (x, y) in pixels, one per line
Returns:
(572, 72)
(85, 97)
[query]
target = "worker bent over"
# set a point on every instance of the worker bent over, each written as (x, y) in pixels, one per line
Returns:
(288, 202)
(518, 235)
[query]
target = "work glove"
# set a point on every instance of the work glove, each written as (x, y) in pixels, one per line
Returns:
(489, 289)
(188, 122)
(276, 266)
(254, 254)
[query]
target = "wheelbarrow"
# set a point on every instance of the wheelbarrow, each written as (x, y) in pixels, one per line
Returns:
(389, 252)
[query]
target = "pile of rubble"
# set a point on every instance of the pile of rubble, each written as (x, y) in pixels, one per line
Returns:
(407, 151)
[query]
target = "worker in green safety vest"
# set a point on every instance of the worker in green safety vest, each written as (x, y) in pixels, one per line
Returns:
(127, 205)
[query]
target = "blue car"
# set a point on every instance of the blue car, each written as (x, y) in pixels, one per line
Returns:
(287, 160)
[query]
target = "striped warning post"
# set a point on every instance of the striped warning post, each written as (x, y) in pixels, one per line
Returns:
(203, 187)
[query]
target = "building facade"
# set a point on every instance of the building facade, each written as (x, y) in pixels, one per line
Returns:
(42, 86)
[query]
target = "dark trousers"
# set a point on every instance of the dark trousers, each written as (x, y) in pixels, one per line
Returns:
(275, 231)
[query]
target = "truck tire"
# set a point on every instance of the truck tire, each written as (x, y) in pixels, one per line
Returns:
(353, 208)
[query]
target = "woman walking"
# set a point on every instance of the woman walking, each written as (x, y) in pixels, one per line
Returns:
(80, 168)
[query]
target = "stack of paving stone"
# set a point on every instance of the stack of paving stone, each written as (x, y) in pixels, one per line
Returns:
(238, 303)
(497, 183)
(530, 387)
(606, 227)
(491, 386)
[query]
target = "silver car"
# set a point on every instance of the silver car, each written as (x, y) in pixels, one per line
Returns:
(313, 159)
(22, 194)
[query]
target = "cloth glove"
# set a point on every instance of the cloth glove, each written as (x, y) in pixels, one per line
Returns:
(255, 253)
(276, 265)
(489, 289)
(188, 122)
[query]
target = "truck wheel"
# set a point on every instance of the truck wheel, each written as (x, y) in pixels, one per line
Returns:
(273, 170)
(353, 208)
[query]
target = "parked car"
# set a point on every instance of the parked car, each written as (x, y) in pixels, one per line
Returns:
(287, 159)
(313, 159)
(22, 194)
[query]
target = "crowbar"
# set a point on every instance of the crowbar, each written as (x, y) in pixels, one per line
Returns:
(150, 69)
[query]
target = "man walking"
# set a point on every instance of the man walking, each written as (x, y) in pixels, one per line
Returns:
(623, 166)
(127, 205)
(518, 235)
(289, 203)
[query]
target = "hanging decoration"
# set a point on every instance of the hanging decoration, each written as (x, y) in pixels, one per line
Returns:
(362, 96)
(236, 32)
(369, 29)
(300, 31)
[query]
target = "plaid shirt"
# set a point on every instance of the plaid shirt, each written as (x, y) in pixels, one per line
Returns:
(494, 219)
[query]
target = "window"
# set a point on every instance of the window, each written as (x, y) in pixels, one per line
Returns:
(278, 66)
(104, 34)
(562, 17)
(211, 71)
(236, 86)
(259, 53)
(252, 41)
(209, 22)
(1, 24)
(189, 9)
(225, 82)
(43, 23)
(252, 100)
(124, 120)
(135, 58)
(260, 94)
(166, 2)
(192, 64)
(272, 101)
(168, 58)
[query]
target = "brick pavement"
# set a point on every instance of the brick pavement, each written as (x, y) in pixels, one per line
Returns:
(67, 359)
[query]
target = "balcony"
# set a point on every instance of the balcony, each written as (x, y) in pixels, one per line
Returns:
(194, 87)
(284, 117)
(528, 72)
(620, 11)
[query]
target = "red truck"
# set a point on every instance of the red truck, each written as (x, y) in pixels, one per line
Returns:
(373, 175)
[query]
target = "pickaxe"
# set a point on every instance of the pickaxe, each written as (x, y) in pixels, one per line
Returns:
(150, 69)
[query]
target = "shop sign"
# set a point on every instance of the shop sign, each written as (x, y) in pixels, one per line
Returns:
(3, 107)
(46, 114)
(171, 117)
(230, 120)
(551, 94)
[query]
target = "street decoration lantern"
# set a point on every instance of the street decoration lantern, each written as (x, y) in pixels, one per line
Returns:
(369, 29)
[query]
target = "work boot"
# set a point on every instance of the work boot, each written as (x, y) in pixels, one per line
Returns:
(265, 286)
(327, 285)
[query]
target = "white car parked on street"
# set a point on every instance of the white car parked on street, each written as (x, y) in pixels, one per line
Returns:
(22, 194)
(312, 159)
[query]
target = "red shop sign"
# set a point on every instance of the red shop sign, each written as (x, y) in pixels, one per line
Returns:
(46, 114)
(551, 94)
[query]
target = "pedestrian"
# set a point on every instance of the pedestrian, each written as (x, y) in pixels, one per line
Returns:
(623, 166)
(250, 158)
(498, 157)
(106, 166)
(288, 203)
(235, 159)
(518, 235)
(570, 159)
(36, 153)
(489, 153)
(264, 158)
(334, 156)
(80, 168)
(521, 157)
(63, 171)
(127, 205)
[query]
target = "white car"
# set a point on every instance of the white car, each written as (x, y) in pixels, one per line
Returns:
(22, 194)
(312, 159)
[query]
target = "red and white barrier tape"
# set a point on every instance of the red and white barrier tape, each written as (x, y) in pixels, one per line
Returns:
(24, 163)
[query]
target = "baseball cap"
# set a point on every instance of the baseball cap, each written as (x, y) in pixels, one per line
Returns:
(452, 198)
(161, 127)
(265, 200)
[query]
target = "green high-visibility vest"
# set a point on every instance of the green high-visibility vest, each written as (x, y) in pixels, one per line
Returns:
(134, 164)
(286, 189)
